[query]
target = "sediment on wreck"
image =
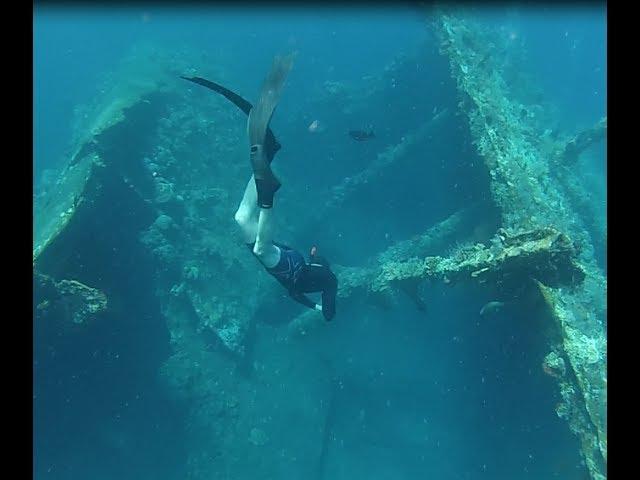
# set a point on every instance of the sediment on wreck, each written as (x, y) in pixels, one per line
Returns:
(529, 196)
(144, 198)
(92, 312)
(544, 248)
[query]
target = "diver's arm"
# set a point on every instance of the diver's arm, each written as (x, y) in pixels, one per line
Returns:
(303, 299)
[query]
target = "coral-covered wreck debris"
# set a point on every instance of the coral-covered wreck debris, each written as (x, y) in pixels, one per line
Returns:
(138, 195)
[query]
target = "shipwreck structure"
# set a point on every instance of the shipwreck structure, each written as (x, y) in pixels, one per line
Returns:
(146, 193)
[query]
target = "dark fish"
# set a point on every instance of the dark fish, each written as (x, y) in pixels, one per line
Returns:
(361, 135)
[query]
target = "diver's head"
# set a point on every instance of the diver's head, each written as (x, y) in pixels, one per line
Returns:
(315, 259)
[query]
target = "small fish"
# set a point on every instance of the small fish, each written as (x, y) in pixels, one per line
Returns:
(316, 127)
(491, 307)
(361, 135)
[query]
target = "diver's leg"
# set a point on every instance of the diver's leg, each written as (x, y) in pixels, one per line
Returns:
(264, 249)
(265, 181)
(257, 226)
(247, 214)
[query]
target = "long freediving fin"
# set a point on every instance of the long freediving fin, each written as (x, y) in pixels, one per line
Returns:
(257, 126)
(234, 98)
(271, 145)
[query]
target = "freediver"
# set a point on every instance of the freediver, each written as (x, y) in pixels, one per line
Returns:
(255, 213)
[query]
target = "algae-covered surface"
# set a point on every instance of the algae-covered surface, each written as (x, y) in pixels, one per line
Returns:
(468, 236)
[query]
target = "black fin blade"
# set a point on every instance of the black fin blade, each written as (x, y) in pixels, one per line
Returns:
(271, 144)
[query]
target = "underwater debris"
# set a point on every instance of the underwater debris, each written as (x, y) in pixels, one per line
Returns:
(164, 190)
(545, 254)
(192, 307)
(491, 308)
(513, 258)
(67, 299)
(432, 241)
(163, 222)
(583, 140)
(521, 170)
(554, 365)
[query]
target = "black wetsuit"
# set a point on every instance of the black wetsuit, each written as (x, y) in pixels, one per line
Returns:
(300, 277)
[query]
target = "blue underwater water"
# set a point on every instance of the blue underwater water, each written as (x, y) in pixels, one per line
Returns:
(441, 394)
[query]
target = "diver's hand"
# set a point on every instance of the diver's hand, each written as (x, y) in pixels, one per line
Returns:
(318, 307)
